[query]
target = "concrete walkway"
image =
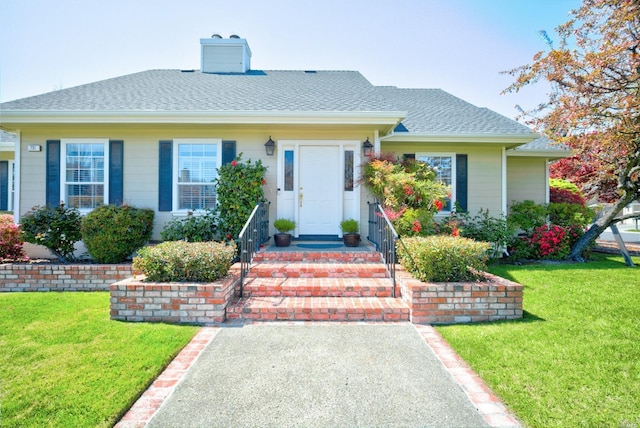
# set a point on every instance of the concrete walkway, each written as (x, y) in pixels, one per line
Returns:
(320, 375)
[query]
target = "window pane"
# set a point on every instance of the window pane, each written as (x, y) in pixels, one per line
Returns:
(288, 170)
(84, 175)
(348, 170)
(443, 166)
(196, 196)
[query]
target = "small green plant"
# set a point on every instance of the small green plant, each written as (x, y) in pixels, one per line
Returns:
(56, 228)
(284, 225)
(179, 261)
(350, 225)
(10, 242)
(111, 233)
(192, 228)
(443, 258)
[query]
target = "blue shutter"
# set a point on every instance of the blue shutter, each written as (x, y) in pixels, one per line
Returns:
(461, 181)
(228, 151)
(115, 172)
(53, 173)
(165, 176)
(4, 185)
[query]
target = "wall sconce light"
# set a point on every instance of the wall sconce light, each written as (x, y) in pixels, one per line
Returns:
(270, 147)
(367, 147)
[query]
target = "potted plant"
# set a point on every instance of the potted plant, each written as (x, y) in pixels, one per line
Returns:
(284, 226)
(350, 235)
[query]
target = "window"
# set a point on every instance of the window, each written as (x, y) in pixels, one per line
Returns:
(196, 168)
(445, 166)
(348, 170)
(84, 174)
(288, 170)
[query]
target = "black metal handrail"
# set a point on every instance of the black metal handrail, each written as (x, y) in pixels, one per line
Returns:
(254, 233)
(384, 236)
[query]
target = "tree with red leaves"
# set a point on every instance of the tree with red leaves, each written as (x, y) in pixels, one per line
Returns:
(595, 107)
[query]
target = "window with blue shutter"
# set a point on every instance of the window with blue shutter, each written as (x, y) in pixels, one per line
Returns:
(53, 173)
(165, 176)
(115, 172)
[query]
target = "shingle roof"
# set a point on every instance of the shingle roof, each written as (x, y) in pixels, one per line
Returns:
(543, 144)
(429, 110)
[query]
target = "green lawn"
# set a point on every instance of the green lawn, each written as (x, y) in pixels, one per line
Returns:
(574, 360)
(64, 363)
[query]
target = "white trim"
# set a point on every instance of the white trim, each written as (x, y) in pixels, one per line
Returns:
(504, 181)
(175, 163)
(547, 195)
(385, 119)
(11, 200)
(512, 140)
(63, 166)
(454, 172)
(18, 160)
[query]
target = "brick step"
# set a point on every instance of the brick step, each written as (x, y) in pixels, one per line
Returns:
(319, 309)
(318, 287)
(283, 269)
(318, 256)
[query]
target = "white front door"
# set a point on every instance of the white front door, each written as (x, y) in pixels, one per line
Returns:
(319, 191)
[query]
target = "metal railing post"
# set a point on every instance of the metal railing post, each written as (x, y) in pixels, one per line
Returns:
(384, 236)
(254, 233)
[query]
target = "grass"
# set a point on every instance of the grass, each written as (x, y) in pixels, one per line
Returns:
(574, 359)
(65, 363)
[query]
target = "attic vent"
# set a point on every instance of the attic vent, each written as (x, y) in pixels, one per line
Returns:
(310, 71)
(234, 36)
(216, 36)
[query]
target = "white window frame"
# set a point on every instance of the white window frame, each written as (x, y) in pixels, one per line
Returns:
(174, 181)
(63, 168)
(453, 172)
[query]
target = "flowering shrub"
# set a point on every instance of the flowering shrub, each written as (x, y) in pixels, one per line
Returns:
(239, 189)
(408, 192)
(443, 258)
(551, 242)
(566, 196)
(111, 233)
(58, 229)
(173, 261)
(10, 242)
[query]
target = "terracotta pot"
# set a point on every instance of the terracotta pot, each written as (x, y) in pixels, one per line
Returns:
(282, 239)
(351, 239)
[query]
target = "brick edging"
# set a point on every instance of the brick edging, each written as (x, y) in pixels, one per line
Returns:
(61, 277)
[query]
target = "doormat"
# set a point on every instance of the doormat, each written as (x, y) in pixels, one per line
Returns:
(319, 246)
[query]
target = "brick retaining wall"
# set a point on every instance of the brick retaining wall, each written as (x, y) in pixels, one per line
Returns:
(461, 302)
(61, 277)
(175, 303)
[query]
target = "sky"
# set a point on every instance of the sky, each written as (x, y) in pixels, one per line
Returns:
(460, 46)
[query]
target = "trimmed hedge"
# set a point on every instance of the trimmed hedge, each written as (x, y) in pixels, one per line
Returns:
(443, 258)
(111, 233)
(179, 261)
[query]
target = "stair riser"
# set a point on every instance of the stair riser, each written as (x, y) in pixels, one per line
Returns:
(319, 316)
(266, 273)
(354, 257)
(294, 292)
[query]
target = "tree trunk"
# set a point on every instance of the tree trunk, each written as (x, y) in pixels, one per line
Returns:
(599, 226)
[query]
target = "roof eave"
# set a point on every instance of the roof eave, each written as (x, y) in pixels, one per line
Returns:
(511, 140)
(384, 119)
(549, 154)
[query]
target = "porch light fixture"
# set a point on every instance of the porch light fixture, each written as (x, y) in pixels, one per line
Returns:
(367, 147)
(270, 147)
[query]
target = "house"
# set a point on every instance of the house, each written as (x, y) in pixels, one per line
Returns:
(155, 138)
(7, 169)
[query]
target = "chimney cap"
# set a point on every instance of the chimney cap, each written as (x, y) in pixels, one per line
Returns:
(234, 36)
(216, 36)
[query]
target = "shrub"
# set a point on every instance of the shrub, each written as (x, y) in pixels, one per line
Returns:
(566, 196)
(569, 214)
(175, 261)
(527, 216)
(239, 189)
(443, 258)
(408, 192)
(10, 242)
(111, 233)
(58, 229)
(193, 228)
(551, 242)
